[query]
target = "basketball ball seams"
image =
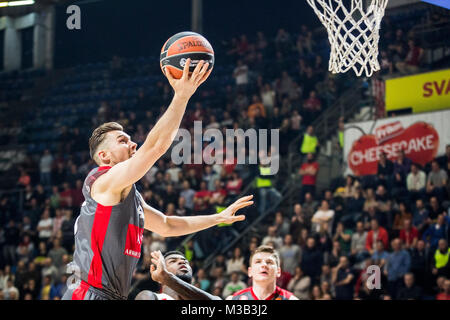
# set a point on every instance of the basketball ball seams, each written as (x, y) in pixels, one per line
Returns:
(182, 46)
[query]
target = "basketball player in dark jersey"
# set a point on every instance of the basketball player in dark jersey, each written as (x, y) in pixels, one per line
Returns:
(174, 274)
(109, 229)
(264, 270)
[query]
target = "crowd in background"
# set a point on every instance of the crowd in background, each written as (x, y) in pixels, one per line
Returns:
(397, 219)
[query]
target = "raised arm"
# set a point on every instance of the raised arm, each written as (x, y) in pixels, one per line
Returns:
(173, 226)
(160, 137)
(186, 290)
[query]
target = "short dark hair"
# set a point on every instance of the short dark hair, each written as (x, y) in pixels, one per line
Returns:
(173, 252)
(99, 135)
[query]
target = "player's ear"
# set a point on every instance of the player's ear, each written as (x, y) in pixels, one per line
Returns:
(278, 271)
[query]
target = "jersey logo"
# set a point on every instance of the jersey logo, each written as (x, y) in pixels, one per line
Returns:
(133, 242)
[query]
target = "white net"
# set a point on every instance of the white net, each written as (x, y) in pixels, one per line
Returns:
(353, 32)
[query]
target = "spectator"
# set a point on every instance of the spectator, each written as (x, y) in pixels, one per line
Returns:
(416, 182)
(203, 280)
(436, 231)
(309, 207)
(376, 233)
(233, 285)
(379, 256)
(309, 171)
(309, 142)
(343, 279)
(312, 260)
(266, 188)
(344, 237)
(420, 216)
(272, 237)
(397, 265)
(409, 234)
(437, 181)
(323, 214)
(236, 263)
(403, 214)
(410, 291)
(290, 254)
(57, 253)
(45, 167)
(45, 226)
(440, 260)
(358, 244)
(188, 194)
(446, 294)
(402, 164)
(419, 262)
(413, 59)
(10, 292)
(240, 74)
(234, 184)
(256, 108)
(300, 284)
(281, 224)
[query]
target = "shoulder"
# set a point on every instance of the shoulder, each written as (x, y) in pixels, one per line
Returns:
(286, 294)
(238, 293)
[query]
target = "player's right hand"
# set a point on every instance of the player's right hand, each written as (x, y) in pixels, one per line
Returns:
(186, 86)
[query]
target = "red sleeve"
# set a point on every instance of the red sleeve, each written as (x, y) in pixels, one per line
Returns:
(414, 232)
(403, 236)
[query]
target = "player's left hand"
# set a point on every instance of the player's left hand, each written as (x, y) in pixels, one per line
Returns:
(228, 215)
(158, 268)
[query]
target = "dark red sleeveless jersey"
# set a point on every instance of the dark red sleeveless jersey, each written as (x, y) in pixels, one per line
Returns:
(248, 294)
(108, 242)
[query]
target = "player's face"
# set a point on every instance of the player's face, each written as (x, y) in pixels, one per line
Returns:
(178, 265)
(119, 147)
(264, 268)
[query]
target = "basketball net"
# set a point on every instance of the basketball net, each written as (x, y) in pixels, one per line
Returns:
(353, 33)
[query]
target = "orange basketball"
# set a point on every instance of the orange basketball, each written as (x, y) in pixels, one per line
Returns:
(182, 46)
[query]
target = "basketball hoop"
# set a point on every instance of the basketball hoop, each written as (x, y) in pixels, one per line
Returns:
(353, 32)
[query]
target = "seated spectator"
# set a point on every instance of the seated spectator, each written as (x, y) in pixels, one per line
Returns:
(309, 207)
(437, 181)
(413, 59)
(241, 75)
(298, 222)
(281, 224)
(290, 254)
(399, 218)
(421, 219)
(300, 284)
(10, 292)
(397, 265)
(376, 233)
(201, 197)
(203, 280)
(402, 164)
(441, 260)
(416, 182)
(312, 106)
(436, 231)
(309, 171)
(188, 194)
(380, 255)
(272, 237)
(256, 104)
(316, 293)
(236, 262)
(45, 226)
(409, 234)
(385, 168)
(410, 291)
(344, 237)
(233, 285)
(234, 184)
(358, 242)
(386, 63)
(323, 214)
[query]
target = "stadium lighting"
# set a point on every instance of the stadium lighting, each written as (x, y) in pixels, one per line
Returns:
(16, 3)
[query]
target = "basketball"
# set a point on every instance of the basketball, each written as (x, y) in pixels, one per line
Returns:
(182, 46)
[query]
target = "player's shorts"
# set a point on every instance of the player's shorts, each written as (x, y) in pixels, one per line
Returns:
(87, 292)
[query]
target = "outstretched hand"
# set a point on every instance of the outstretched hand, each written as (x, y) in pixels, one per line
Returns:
(228, 215)
(158, 268)
(186, 86)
